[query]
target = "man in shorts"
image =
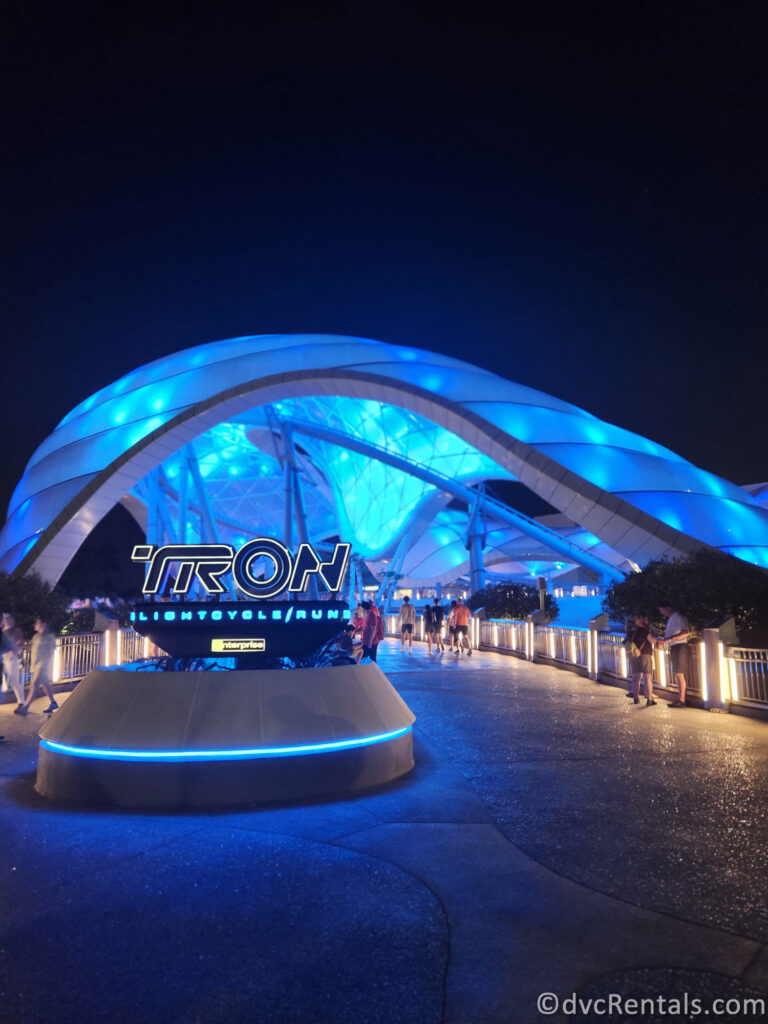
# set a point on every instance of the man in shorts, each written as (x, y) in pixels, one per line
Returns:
(435, 622)
(676, 642)
(406, 617)
(428, 624)
(462, 627)
(452, 624)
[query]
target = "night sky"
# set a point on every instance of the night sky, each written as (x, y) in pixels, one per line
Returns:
(572, 195)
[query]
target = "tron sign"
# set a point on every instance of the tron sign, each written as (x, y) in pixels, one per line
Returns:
(207, 562)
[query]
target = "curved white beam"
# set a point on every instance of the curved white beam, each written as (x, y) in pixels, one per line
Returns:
(636, 496)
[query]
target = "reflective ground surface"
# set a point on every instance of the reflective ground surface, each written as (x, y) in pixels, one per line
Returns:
(553, 837)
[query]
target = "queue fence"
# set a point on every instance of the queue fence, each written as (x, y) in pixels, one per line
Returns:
(742, 672)
(748, 675)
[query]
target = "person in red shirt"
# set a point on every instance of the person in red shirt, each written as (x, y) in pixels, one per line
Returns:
(373, 630)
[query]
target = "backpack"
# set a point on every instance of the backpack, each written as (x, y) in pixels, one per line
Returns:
(633, 651)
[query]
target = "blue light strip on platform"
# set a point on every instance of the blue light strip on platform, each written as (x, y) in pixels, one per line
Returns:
(244, 754)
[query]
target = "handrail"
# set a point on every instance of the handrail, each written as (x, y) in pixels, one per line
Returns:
(601, 655)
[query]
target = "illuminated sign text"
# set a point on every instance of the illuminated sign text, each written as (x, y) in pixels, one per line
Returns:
(237, 645)
(206, 563)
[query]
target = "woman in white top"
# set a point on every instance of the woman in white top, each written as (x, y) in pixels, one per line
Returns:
(43, 646)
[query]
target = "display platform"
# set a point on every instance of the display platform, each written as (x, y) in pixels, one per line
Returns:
(206, 739)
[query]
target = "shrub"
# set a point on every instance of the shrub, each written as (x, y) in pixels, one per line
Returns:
(707, 586)
(27, 597)
(511, 601)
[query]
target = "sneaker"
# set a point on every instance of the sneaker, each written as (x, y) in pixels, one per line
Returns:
(54, 707)
(469, 654)
(20, 710)
(650, 703)
(677, 704)
(629, 694)
(636, 700)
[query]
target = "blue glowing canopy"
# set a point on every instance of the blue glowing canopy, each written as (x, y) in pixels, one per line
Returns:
(384, 439)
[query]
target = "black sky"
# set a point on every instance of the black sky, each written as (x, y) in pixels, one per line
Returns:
(573, 195)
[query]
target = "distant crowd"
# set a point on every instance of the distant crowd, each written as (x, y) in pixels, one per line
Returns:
(442, 625)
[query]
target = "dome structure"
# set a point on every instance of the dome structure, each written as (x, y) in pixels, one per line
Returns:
(385, 446)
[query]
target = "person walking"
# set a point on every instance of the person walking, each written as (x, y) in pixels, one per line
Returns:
(676, 642)
(462, 627)
(642, 663)
(437, 616)
(452, 623)
(12, 643)
(43, 646)
(406, 618)
(358, 618)
(373, 630)
(428, 626)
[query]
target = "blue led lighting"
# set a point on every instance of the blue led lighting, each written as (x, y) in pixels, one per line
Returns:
(345, 492)
(243, 754)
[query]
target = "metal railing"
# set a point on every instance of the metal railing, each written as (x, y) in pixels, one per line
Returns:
(743, 671)
(748, 675)
(568, 646)
(131, 646)
(611, 656)
(76, 655)
(503, 635)
(612, 661)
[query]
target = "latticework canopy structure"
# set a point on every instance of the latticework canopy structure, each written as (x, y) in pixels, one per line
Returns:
(322, 437)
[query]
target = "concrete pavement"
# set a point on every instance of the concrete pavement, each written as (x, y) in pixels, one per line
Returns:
(553, 837)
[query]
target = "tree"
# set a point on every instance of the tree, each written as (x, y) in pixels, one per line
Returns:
(511, 601)
(706, 586)
(30, 597)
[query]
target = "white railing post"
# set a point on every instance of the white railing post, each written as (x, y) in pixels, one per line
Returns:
(715, 688)
(596, 626)
(530, 639)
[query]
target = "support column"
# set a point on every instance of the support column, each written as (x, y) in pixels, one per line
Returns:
(154, 523)
(476, 566)
(351, 580)
(294, 503)
(288, 496)
(183, 498)
(209, 529)
(476, 541)
(596, 626)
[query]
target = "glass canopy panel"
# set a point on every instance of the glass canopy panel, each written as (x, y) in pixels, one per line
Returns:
(375, 500)
(348, 492)
(244, 486)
